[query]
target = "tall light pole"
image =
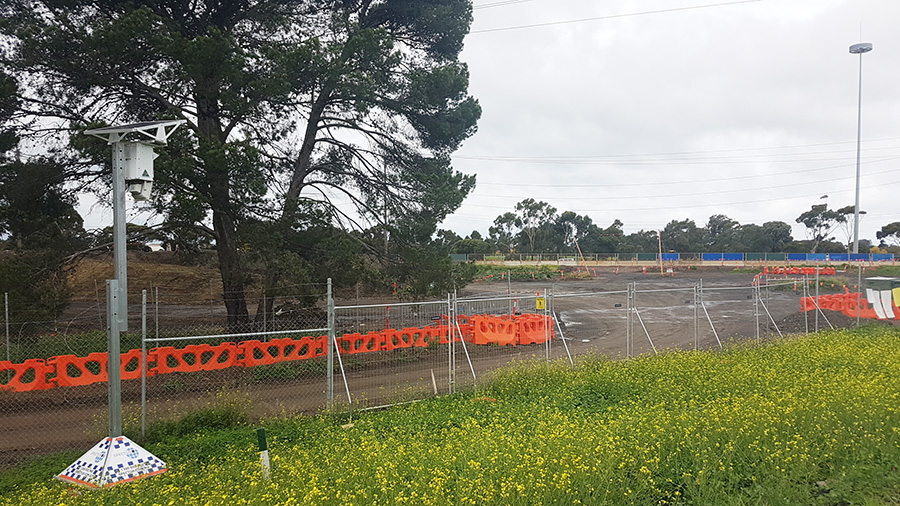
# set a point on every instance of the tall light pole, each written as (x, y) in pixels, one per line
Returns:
(860, 49)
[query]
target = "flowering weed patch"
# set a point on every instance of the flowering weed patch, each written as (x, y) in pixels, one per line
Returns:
(812, 420)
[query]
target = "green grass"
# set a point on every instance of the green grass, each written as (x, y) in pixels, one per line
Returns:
(810, 420)
(498, 273)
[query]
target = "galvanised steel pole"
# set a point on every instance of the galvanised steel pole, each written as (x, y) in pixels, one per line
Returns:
(860, 49)
(143, 362)
(113, 358)
(119, 226)
(331, 337)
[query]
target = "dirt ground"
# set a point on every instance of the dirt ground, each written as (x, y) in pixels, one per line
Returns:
(591, 313)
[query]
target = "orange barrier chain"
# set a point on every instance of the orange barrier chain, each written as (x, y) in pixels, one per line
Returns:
(282, 350)
(846, 303)
(395, 339)
(432, 335)
(38, 366)
(66, 365)
(71, 370)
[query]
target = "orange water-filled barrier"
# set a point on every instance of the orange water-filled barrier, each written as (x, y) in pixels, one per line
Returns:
(493, 330)
(194, 358)
(532, 329)
(33, 366)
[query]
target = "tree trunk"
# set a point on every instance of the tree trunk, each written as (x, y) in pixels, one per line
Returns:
(232, 273)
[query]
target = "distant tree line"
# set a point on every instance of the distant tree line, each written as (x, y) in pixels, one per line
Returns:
(535, 227)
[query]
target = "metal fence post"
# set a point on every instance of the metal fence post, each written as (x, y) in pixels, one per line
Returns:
(756, 308)
(858, 288)
(696, 320)
(450, 370)
(143, 363)
(114, 358)
(546, 328)
(806, 295)
(629, 321)
(817, 297)
(330, 359)
(157, 312)
(6, 321)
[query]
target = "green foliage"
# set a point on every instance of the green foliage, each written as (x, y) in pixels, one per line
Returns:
(274, 372)
(35, 283)
(226, 410)
(889, 234)
(286, 103)
(808, 420)
(820, 222)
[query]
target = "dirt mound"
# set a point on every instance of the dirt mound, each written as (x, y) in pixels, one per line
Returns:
(182, 284)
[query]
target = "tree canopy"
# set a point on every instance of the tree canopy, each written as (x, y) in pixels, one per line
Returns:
(344, 110)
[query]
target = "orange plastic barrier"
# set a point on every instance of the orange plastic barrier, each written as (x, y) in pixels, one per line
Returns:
(38, 366)
(360, 343)
(394, 339)
(436, 334)
(282, 350)
(532, 329)
(493, 330)
(194, 358)
(72, 371)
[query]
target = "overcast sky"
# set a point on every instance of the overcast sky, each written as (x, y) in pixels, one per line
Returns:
(747, 109)
(649, 111)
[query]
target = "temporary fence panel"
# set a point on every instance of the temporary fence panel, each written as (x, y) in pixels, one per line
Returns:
(392, 353)
(664, 319)
(495, 331)
(592, 322)
(724, 314)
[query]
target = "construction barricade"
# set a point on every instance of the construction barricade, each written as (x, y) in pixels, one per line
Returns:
(71, 371)
(35, 366)
(194, 358)
(493, 330)
(532, 329)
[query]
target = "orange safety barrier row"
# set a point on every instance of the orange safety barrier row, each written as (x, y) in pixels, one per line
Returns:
(800, 270)
(70, 370)
(846, 303)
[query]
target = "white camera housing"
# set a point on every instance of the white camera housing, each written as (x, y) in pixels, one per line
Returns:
(137, 161)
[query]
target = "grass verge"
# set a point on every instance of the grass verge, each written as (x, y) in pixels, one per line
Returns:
(811, 420)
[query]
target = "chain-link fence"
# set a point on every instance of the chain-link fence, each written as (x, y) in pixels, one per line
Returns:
(303, 351)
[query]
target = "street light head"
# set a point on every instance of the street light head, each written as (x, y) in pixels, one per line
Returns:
(862, 47)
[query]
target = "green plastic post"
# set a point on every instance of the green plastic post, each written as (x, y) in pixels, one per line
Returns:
(261, 435)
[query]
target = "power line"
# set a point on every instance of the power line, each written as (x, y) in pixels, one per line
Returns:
(498, 4)
(694, 194)
(630, 155)
(696, 205)
(687, 181)
(613, 16)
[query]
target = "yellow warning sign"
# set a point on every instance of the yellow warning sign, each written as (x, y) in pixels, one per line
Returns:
(539, 303)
